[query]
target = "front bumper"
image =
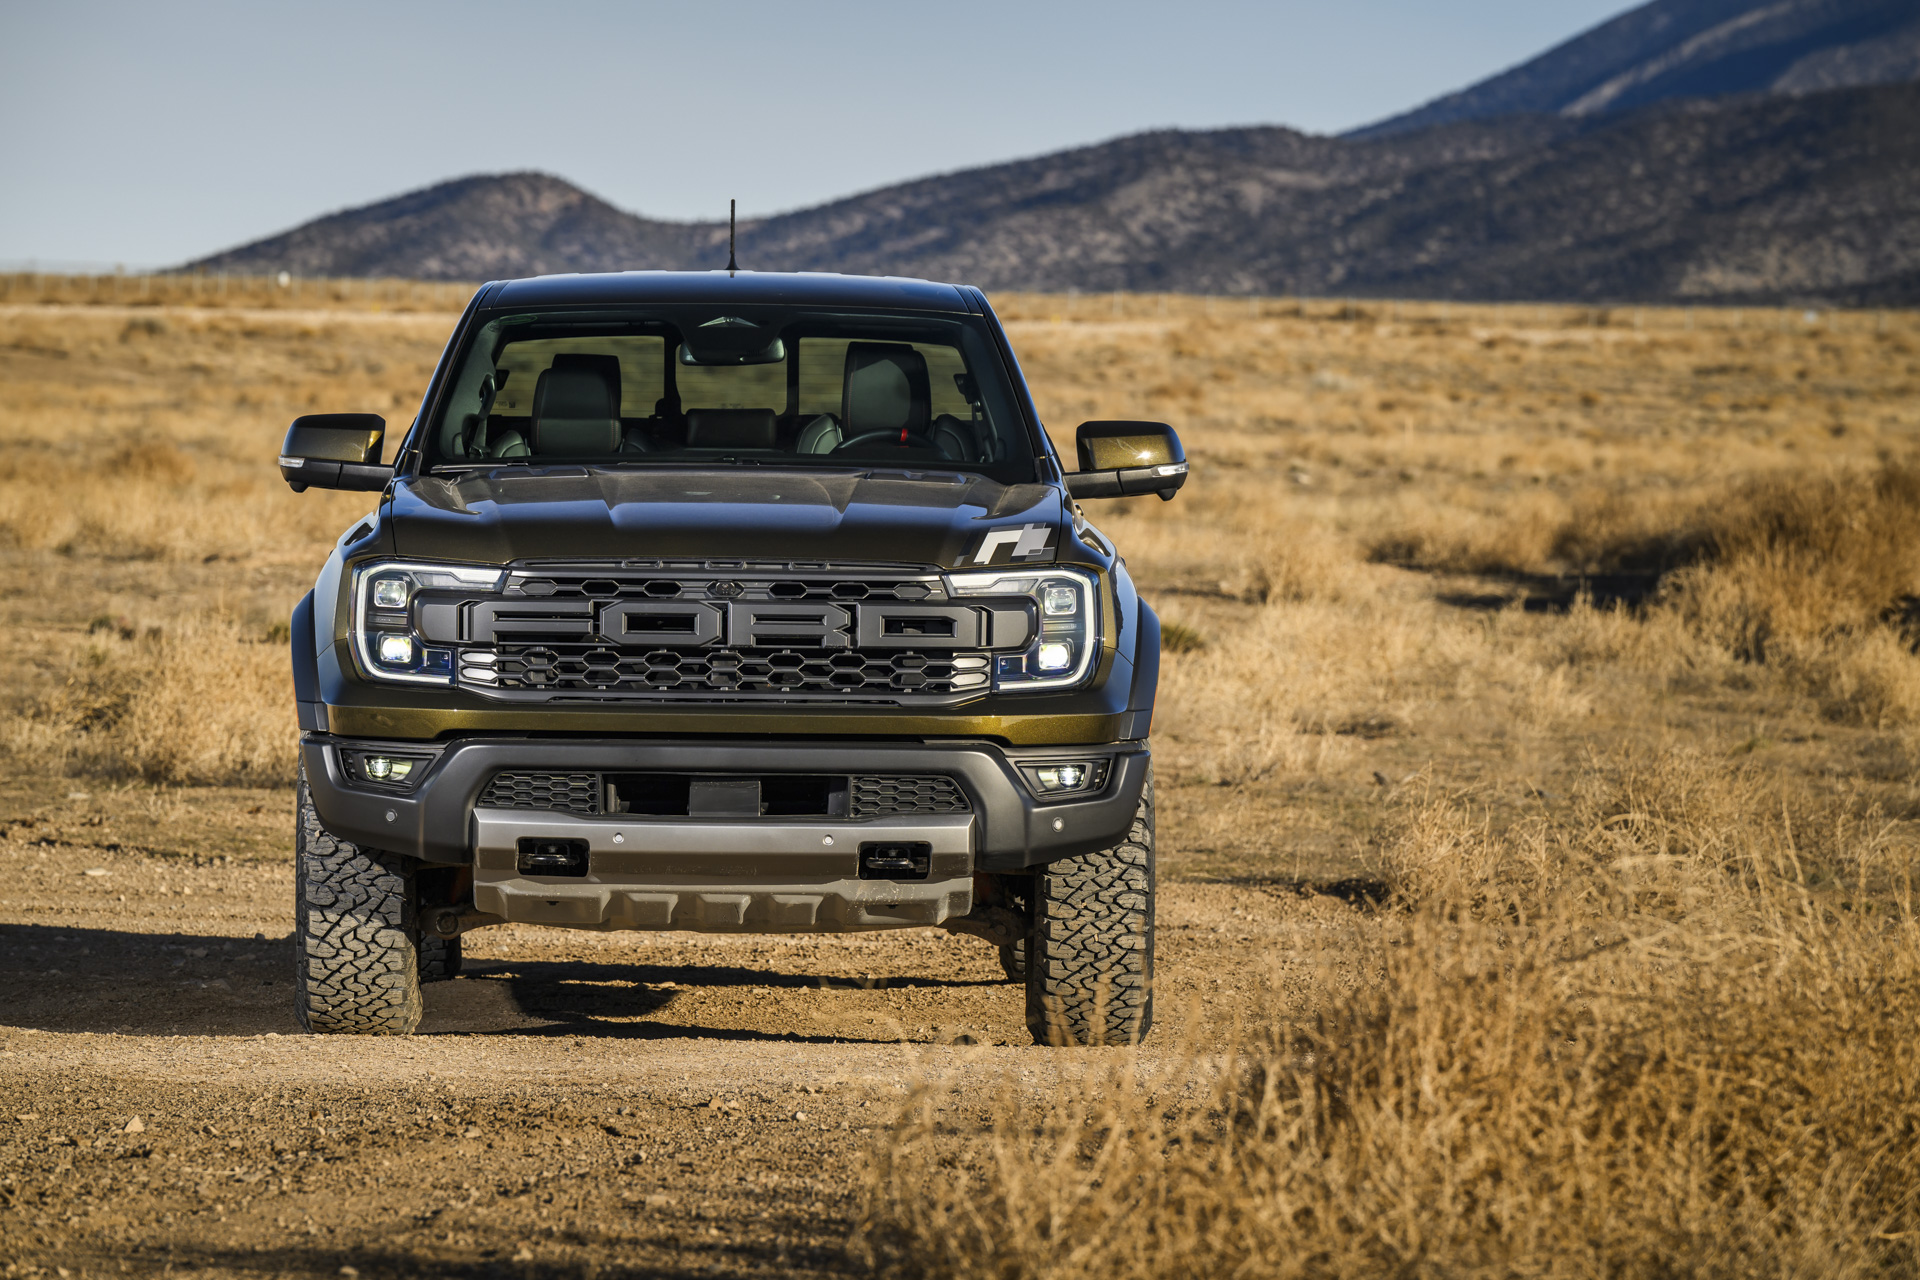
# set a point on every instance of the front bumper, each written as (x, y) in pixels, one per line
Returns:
(772, 876)
(438, 822)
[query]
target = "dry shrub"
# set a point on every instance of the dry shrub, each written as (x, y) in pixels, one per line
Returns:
(1673, 1037)
(1228, 550)
(1267, 698)
(1795, 560)
(205, 701)
(1471, 534)
(1816, 576)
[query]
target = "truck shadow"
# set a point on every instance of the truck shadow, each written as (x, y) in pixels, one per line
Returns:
(107, 982)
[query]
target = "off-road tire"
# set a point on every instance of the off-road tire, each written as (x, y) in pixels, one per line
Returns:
(1090, 957)
(1013, 960)
(439, 957)
(356, 959)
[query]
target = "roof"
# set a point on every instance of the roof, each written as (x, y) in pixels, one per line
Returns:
(777, 288)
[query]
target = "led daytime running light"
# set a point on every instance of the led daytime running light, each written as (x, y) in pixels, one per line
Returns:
(388, 650)
(1066, 613)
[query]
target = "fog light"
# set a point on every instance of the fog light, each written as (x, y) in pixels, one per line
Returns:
(1065, 777)
(1055, 656)
(396, 650)
(390, 593)
(387, 769)
(1061, 600)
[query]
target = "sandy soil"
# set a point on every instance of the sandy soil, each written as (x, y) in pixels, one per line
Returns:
(574, 1104)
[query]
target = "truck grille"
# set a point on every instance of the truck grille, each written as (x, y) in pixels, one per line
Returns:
(867, 796)
(562, 792)
(723, 630)
(585, 668)
(878, 797)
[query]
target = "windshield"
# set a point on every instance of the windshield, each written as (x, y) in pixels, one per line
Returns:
(739, 386)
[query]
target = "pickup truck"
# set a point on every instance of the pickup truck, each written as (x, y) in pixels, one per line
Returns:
(730, 602)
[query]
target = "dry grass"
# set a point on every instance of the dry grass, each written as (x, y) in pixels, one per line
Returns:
(1671, 1037)
(201, 701)
(1643, 999)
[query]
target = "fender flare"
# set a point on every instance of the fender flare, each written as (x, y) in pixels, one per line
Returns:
(306, 667)
(1146, 673)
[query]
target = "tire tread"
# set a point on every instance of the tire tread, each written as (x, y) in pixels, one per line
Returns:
(357, 962)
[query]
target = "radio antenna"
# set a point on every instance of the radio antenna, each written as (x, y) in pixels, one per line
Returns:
(731, 265)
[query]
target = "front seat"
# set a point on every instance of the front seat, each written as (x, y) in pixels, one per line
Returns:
(884, 387)
(576, 407)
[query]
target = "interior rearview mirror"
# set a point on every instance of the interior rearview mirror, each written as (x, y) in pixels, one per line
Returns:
(1121, 459)
(751, 347)
(335, 451)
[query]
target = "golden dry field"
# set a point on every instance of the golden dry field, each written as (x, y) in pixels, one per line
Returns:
(1539, 763)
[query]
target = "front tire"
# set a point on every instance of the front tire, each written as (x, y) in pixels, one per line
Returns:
(1089, 967)
(357, 963)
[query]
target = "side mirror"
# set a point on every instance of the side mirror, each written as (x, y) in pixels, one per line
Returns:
(1121, 459)
(335, 451)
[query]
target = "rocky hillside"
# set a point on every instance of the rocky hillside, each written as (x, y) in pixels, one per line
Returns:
(1806, 198)
(1694, 49)
(476, 228)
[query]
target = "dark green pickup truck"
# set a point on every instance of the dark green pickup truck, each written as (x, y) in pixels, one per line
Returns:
(731, 602)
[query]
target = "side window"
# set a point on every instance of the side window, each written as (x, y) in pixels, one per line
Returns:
(642, 375)
(942, 364)
(823, 364)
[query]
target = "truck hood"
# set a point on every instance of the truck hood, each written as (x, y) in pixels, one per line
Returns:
(901, 517)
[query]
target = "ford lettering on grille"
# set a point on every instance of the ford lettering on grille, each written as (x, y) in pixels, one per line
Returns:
(674, 631)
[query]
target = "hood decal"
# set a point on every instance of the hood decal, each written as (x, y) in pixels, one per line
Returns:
(1024, 543)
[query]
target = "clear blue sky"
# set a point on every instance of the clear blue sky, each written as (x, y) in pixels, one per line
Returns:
(153, 132)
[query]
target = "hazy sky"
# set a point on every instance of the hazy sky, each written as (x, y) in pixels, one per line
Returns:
(149, 133)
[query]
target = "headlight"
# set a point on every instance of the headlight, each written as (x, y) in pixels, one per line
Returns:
(386, 630)
(1066, 637)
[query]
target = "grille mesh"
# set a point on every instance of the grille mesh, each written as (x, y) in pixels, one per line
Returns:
(877, 797)
(869, 796)
(559, 792)
(761, 670)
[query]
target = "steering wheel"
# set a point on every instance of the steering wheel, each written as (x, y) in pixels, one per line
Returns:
(898, 439)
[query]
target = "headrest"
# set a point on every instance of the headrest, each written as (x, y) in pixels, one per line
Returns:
(885, 389)
(562, 392)
(576, 410)
(730, 428)
(608, 367)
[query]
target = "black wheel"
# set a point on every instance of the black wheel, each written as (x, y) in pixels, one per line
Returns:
(439, 958)
(357, 965)
(1089, 968)
(1013, 960)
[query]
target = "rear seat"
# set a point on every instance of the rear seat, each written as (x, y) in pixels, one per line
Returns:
(731, 428)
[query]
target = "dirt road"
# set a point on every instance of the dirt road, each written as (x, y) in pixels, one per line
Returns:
(575, 1104)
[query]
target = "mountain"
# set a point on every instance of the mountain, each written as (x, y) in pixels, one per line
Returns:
(476, 228)
(1693, 49)
(1806, 198)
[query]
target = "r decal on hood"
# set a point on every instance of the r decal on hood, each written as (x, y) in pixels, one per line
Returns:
(1028, 542)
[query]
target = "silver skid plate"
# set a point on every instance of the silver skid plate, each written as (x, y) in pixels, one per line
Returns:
(757, 876)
